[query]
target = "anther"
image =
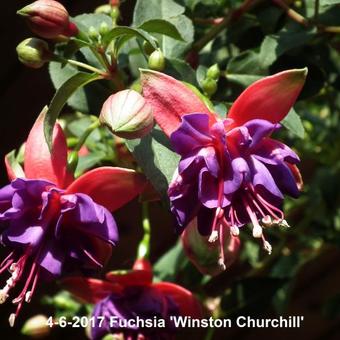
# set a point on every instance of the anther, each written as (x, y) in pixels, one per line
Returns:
(213, 236)
(221, 263)
(284, 224)
(267, 221)
(235, 231)
(257, 231)
(11, 319)
(3, 296)
(267, 247)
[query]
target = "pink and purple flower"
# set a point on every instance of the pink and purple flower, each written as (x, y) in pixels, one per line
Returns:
(231, 171)
(53, 223)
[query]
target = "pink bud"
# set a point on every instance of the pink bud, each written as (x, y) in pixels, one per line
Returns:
(127, 114)
(208, 257)
(48, 19)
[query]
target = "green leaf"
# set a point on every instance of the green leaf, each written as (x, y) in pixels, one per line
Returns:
(85, 21)
(61, 96)
(129, 32)
(180, 70)
(246, 63)
(155, 9)
(170, 263)
(329, 2)
(153, 153)
(293, 123)
(170, 11)
(273, 46)
(87, 100)
(162, 27)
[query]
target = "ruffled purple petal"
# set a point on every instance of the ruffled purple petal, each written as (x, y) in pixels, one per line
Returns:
(193, 133)
(260, 128)
(262, 176)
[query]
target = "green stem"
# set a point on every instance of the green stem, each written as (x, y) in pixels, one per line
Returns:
(210, 35)
(144, 245)
(86, 133)
(87, 67)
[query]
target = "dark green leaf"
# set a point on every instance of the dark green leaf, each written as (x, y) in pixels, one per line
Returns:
(180, 70)
(129, 32)
(162, 27)
(155, 9)
(158, 161)
(60, 98)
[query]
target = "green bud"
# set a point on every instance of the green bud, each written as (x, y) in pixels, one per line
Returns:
(33, 52)
(36, 327)
(115, 13)
(213, 72)
(93, 34)
(147, 47)
(72, 160)
(209, 86)
(156, 60)
(104, 9)
(104, 28)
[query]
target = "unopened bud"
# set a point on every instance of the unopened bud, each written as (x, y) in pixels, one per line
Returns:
(127, 114)
(93, 33)
(209, 86)
(104, 28)
(36, 327)
(103, 9)
(156, 60)
(213, 72)
(48, 19)
(33, 52)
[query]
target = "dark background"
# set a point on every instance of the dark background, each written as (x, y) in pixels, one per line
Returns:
(23, 92)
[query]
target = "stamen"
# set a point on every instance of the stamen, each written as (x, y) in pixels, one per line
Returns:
(267, 221)
(11, 320)
(221, 263)
(257, 229)
(235, 231)
(266, 245)
(284, 224)
(3, 296)
(213, 236)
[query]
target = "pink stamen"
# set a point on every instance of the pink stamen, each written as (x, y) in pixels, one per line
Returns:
(257, 229)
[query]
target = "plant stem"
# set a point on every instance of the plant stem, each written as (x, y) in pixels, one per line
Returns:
(86, 133)
(87, 67)
(144, 245)
(291, 13)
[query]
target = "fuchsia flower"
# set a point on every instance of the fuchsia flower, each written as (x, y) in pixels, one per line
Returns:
(131, 295)
(231, 172)
(54, 223)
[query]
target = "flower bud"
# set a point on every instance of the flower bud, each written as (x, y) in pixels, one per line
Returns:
(33, 52)
(127, 114)
(36, 327)
(48, 19)
(104, 28)
(156, 60)
(209, 86)
(103, 9)
(205, 255)
(213, 72)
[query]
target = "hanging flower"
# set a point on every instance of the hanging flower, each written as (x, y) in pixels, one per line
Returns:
(231, 172)
(52, 222)
(127, 299)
